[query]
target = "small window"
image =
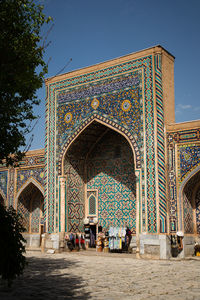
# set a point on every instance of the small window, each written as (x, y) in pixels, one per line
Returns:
(92, 205)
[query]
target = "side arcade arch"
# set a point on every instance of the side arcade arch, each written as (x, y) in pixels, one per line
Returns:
(29, 203)
(189, 203)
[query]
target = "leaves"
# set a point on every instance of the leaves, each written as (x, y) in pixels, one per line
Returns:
(21, 54)
(12, 260)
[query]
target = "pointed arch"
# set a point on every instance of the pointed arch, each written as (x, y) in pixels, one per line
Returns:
(29, 203)
(111, 124)
(92, 204)
(100, 156)
(181, 189)
(187, 178)
(29, 181)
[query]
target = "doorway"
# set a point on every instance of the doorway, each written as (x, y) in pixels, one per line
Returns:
(93, 236)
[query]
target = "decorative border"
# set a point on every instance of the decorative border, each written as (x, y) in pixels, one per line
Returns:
(11, 186)
(161, 145)
(176, 138)
(46, 159)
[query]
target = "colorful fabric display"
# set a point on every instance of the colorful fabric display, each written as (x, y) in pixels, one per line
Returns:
(117, 236)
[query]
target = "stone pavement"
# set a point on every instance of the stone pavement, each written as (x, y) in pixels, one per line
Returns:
(90, 275)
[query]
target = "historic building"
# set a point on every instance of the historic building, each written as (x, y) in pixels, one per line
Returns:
(113, 156)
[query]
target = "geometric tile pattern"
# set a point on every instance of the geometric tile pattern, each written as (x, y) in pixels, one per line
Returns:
(188, 211)
(185, 136)
(189, 158)
(111, 173)
(188, 162)
(12, 178)
(23, 208)
(30, 205)
(109, 104)
(37, 201)
(32, 160)
(172, 187)
(114, 179)
(189, 203)
(150, 151)
(75, 195)
(24, 174)
(197, 202)
(4, 183)
(139, 68)
(161, 145)
(11, 186)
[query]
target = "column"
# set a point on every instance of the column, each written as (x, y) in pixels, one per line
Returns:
(62, 203)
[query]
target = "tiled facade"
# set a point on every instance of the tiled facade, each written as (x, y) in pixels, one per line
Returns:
(15, 188)
(184, 175)
(110, 131)
(116, 102)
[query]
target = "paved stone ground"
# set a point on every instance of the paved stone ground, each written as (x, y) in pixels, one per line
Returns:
(90, 275)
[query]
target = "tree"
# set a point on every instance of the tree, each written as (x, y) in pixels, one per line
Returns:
(12, 260)
(22, 70)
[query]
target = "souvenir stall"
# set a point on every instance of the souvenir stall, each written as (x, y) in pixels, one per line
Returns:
(90, 229)
(119, 239)
(75, 241)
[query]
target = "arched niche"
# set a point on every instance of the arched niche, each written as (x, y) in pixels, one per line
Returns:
(190, 198)
(100, 160)
(30, 205)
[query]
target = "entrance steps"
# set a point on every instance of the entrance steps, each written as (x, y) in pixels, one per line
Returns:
(33, 250)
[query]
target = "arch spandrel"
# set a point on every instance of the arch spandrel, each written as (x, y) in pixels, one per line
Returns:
(188, 176)
(111, 124)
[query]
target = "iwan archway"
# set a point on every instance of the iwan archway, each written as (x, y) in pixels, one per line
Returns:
(98, 180)
(30, 205)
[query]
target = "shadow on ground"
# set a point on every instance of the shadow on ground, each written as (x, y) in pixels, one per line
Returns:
(46, 278)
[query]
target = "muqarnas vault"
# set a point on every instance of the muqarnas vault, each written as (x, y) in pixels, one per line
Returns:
(113, 156)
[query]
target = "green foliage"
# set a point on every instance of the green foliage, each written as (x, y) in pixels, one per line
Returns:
(12, 260)
(22, 70)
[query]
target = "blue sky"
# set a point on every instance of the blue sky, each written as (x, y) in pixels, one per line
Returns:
(90, 32)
